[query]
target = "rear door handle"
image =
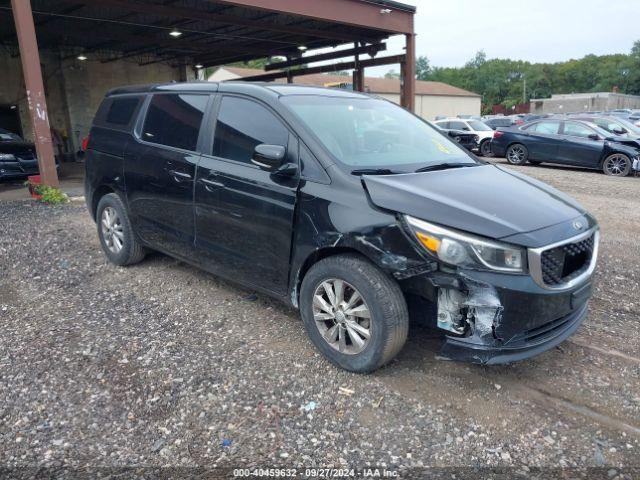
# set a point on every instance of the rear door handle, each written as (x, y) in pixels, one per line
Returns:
(179, 176)
(211, 185)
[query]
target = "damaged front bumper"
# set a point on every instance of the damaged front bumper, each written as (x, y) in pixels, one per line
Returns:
(528, 344)
(493, 318)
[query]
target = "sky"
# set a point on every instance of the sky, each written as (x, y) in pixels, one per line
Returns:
(450, 32)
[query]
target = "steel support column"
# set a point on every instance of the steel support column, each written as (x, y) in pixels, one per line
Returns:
(355, 81)
(408, 75)
(34, 84)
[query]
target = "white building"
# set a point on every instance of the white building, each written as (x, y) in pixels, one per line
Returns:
(432, 98)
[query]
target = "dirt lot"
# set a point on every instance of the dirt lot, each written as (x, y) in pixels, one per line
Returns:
(163, 365)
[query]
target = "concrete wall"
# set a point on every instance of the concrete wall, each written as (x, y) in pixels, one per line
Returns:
(85, 84)
(584, 102)
(74, 89)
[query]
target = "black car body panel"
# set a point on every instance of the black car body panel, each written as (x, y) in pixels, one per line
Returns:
(20, 160)
(266, 229)
(477, 208)
(562, 148)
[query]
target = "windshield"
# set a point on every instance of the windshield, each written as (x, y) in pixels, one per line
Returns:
(599, 130)
(371, 133)
(628, 126)
(479, 126)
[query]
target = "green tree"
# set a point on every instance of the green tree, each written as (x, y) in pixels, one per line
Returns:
(392, 74)
(423, 68)
(502, 81)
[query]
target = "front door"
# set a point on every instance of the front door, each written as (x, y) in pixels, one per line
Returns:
(577, 148)
(244, 215)
(160, 169)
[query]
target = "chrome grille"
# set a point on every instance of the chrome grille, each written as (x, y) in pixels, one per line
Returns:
(562, 263)
(566, 264)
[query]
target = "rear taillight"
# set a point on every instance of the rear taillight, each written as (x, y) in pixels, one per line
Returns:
(497, 134)
(85, 143)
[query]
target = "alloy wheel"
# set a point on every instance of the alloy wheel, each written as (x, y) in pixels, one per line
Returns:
(616, 165)
(516, 154)
(342, 316)
(112, 231)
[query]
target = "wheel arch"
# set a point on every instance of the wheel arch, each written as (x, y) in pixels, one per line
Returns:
(613, 152)
(515, 142)
(313, 258)
(98, 193)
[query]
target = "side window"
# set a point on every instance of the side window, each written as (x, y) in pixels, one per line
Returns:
(546, 128)
(118, 112)
(577, 130)
(121, 110)
(244, 124)
(174, 120)
(444, 125)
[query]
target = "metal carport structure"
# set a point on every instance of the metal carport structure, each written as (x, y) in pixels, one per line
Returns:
(204, 33)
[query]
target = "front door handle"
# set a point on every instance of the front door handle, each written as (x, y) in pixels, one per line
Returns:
(179, 176)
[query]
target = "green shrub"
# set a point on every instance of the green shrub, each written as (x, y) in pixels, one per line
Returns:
(50, 195)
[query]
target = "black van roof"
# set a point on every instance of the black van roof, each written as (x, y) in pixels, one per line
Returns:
(280, 89)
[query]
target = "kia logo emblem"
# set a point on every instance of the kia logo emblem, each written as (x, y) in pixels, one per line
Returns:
(578, 225)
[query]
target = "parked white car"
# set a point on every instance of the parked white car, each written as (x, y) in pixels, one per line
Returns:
(483, 131)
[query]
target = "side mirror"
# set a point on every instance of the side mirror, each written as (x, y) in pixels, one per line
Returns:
(268, 157)
(619, 131)
(594, 136)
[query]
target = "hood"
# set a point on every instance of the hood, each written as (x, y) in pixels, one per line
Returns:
(632, 143)
(485, 200)
(16, 147)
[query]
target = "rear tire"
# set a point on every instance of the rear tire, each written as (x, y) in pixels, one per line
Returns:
(485, 148)
(116, 235)
(617, 165)
(517, 154)
(380, 314)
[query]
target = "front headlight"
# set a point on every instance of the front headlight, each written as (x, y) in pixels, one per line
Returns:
(7, 157)
(464, 250)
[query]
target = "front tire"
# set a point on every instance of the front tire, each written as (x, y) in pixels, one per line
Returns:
(517, 154)
(116, 235)
(617, 165)
(485, 148)
(354, 313)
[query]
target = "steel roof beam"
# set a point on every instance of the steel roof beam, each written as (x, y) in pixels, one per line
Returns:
(199, 15)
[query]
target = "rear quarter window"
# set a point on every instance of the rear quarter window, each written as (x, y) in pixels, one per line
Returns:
(118, 113)
(121, 110)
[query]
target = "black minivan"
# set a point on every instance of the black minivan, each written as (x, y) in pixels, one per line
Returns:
(347, 207)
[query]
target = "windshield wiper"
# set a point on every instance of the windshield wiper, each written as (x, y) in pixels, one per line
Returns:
(445, 166)
(374, 171)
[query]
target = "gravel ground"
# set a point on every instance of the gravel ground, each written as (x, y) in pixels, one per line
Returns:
(162, 365)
